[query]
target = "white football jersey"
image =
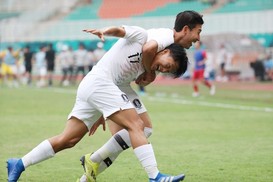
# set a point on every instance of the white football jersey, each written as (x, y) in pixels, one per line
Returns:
(163, 37)
(123, 62)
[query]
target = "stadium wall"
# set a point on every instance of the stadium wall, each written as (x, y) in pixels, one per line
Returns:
(243, 23)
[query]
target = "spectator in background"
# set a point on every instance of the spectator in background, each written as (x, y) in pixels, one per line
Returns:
(10, 68)
(258, 68)
(50, 59)
(80, 56)
(28, 61)
(268, 65)
(99, 52)
(65, 59)
(71, 68)
(90, 60)
(199, 68)
(222, 58)
(41, 66)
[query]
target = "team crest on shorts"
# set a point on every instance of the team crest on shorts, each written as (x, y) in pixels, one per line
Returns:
(124, 97)
(137, 103)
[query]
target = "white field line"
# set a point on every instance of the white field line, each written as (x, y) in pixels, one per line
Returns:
(209, 104)
(163, 98)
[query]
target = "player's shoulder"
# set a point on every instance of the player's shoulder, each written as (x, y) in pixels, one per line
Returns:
(164, 34)
(159, 30)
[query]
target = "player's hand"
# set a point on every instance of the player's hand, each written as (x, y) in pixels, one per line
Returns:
(99, 122)
(96, 32)
(145, 78)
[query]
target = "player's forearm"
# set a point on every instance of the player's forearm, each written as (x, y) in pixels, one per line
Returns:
(110, 31)
(146, 61)
(149, 51)
(114, 31)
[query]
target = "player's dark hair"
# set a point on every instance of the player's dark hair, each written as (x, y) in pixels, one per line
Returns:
(189, 18)
(180, 56)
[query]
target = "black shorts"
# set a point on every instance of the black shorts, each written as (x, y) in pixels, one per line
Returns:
(28, 68)
(222, 66)
(50, 67)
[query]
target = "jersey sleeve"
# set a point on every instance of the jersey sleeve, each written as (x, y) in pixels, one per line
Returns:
(136, 34)
(163, 37)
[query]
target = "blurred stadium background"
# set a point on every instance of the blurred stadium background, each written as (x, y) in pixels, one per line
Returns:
(244, 26)
(227, 137)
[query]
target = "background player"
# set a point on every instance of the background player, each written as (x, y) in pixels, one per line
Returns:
(199, 69)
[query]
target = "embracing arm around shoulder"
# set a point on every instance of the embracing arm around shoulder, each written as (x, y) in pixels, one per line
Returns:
(109, 31)
(149, 51)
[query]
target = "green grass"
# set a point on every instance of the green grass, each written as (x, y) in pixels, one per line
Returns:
(228, 137)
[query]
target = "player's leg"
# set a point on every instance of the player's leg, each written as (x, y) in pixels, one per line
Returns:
(50, 75)
(119, 142)
(130, 120)
(194, 84)
(207, 83)
(116, 142)
(118, 109)
(15, 75)
(9, 73)
(64, 76)
(70, 74)
(72, 134)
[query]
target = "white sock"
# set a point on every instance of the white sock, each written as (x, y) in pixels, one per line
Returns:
(40, 153)
(145, 155)
(103, 165)
(83, 178)
(112, 148)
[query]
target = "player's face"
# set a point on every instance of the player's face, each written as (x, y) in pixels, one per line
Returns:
(189, 36)
(164, 62)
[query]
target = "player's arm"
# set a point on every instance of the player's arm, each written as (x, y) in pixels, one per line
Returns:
(149, 51)
(109, 31)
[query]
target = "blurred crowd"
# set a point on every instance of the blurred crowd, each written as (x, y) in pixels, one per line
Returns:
(221, 66)
(47, 66)
(263, 67)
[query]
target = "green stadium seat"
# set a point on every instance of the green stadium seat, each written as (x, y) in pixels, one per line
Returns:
(246, 5)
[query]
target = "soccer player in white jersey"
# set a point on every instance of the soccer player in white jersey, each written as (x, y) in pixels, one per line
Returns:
(113, 74)
(187, 29)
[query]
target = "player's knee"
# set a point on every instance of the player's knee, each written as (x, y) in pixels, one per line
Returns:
(148, 132)
(136, 125)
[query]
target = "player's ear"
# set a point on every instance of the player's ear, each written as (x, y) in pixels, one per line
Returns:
(186, 29)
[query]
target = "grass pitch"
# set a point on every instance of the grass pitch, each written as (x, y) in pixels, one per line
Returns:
(227, 137)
